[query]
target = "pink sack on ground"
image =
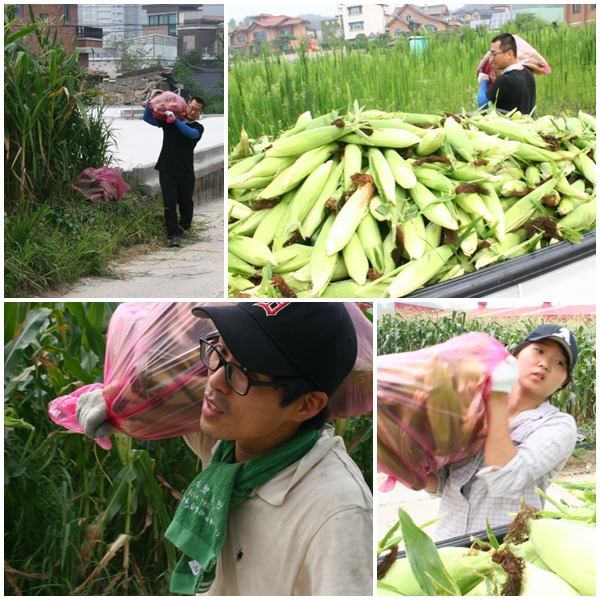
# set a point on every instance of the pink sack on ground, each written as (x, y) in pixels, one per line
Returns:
(535, 62)
(431, 406)
(105, 184)
(161, 103)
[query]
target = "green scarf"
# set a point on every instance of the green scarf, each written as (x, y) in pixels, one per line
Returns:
(200, 523)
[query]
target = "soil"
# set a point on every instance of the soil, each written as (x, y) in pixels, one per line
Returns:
(583, 462)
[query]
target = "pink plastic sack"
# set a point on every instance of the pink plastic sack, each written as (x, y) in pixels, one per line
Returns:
(355, 396)
(101, 185)
(161, 103)
(431, 406)
(154, 379)
(535, 62)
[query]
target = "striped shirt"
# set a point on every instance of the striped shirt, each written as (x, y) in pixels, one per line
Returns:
(471, 492)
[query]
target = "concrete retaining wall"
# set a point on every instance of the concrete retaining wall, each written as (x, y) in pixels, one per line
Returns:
(209, 165)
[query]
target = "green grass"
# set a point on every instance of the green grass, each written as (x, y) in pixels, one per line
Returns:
(266, 96)
(54, 244)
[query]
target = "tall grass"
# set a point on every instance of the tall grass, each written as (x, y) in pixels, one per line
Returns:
(398, 334)
(50, 133)
(79, 520)
(266, 95)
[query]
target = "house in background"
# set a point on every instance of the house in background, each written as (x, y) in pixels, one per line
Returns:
(118, 21)
(579, 14)
(412, 18)
(64, 19)
(366, 19)
(196, 26)
(266, 28)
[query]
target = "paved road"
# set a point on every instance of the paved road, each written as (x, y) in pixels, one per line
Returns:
(195, 270)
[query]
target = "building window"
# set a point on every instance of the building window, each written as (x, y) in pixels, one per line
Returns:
(430, 27)
(355, 10)
(44, 17)
(172, 30)
(576, 8)
(285, 32)
(408, 17)
(67, 9)
(172, 19)
(261, 35)
(397, 32)
(358, 26)
(240, 39)
(18, 10)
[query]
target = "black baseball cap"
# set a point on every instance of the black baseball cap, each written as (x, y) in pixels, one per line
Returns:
(315, 340)
(561, 335)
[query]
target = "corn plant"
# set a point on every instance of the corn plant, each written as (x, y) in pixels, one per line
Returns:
(78, 519)
(50, 131)
(397, 334)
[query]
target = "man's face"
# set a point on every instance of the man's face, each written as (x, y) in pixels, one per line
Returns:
(255, 421)
(500, 60)
(194, 110)
(542, 368)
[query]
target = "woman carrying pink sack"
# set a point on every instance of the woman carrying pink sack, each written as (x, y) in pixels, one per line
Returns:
(528, 440)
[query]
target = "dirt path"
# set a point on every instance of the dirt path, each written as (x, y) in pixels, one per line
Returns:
(195, 270)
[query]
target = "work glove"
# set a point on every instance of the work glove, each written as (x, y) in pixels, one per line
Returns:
(155, 93)
(91, 414)
(505, 375)
(482, 77)
(169, 114)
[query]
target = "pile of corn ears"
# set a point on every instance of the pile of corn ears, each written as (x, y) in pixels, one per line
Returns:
(376, 204)
(540, 556)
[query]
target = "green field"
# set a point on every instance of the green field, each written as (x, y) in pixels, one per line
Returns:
(267, 95)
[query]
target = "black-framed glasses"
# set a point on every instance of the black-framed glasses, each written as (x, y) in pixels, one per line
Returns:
(493, 54)
(196, 110)
(238, 378)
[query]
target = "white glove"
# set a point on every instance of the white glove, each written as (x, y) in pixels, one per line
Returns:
(505, 375)
(155, 93)
(169, 113)
(482, 77)
(91, 415)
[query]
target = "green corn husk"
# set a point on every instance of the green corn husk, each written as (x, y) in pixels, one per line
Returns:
(569, 549)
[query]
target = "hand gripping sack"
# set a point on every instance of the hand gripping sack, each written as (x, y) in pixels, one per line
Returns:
(154, 379)
(431, 406)
(161, 103)
(531, 58)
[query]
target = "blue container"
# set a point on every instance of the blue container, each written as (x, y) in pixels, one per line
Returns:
(417, 44)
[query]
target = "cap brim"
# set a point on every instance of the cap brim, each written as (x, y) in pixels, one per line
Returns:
(247, 341)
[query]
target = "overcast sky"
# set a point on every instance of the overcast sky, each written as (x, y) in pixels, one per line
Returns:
(239, 11)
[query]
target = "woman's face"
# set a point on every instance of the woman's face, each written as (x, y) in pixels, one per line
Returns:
(542, 368)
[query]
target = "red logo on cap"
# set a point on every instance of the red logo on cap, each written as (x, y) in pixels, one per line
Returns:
(272, 308)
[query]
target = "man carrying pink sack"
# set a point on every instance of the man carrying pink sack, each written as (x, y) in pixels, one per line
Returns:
(176, 162)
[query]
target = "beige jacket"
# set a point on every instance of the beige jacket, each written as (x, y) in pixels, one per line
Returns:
(306, 532)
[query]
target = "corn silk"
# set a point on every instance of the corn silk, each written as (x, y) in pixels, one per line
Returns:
(527, 54)
(431, 406)
(161, 103)
(154, 379)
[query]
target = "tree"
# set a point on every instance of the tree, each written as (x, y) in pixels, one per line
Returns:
(528, 21)
(232, 23)
(282, 42)
(126, 54)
